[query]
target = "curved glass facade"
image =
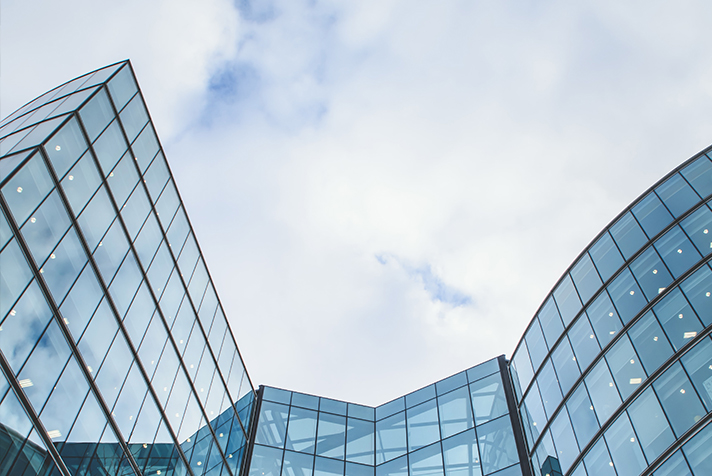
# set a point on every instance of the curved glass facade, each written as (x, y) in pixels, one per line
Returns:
(614, 373)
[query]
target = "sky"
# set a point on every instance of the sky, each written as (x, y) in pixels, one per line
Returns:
(385, 191)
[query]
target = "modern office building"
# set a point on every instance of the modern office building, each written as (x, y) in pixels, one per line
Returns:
(116, 357)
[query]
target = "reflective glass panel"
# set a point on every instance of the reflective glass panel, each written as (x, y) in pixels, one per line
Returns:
(566, 448)
(698, 364)
(598, 461)
(360, 441)
(455, 412)
(582, 414)
(606, 256)
(565, 365)
(679, 399)
(677, 318)
(677, 195)
(699, 452)
(603, 391)
(699, 175)
(549, 388)
(331, 435)
(625, 450)
(427, 461)
(96, 114)
(626, 295)
(697, 227)
(585, 277)
(497, 447)
(650, 342)
(30, 185)
(650, 424)
(422, 425)
(604, 319)
(567, 300)
(674, 466)
(390, 438)
(550, 321)
(677, 251)
(461, 456)
(583, 341)
(652, 275)
(698, 290)
(628, 236)
(535, 344)
(652, 214)
(625, 366)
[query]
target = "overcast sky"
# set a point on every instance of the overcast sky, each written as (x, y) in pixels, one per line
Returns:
(386, 190)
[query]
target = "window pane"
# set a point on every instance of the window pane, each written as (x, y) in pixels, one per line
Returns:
(422, 425)
(583, 417)
(677, 251)
(699, 452)
(565, 365)
(583, 342)
(675, 466)
(360, 440)
(679, 399)
(650, 342)
(698, 363)
(122, 87)
(651, 273)
(535, 344)
(109, 147)
(677, 318)
(272, 424)
(63, 404)
(522, 367)
(697, 226)
(397, 467)
(266, 461)
(566, 448)
(455, 412)
(549, 388)
(585, 277)
(488, 400)
(627, 235)
(652, 214)
(461, 456)
(390, 437)
(133, 117)
(604, 319)
(567, 300)
(624, 448)
(65, 147)
(145, 147)
(698, 290)
(27, 188)
(533, 414)
(677, 195)
(331, 435)
(296, 464)
(603, 392)
(550, 321)
(699, 174)
(606, 256)
(427, 461)
(626, 369)
(626, 296)
(497, 447)
(96, 114)
(81, 183)
(650, 424)
(15, 277)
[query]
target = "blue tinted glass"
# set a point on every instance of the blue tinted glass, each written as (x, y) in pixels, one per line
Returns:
(585, 277)
(81, 183)
(652, 215)
(606, 256)
(390, 408)
(698, 290)
(390, 438)
(625, 367)
(483, 370)
(677, 251)
(650, 342)
(534, 414)
(698, 364)
(420, 396)
(301, 399)
(331, 435)
(27, 188)
(65, 147)
(626, 295)
(297, 464)
(360, 441)
(461, 456)
(699, 452)
(488, 399)
(455, 412)
(522, 368)
(567, 369)
(535, 343)
(276, 394)
(677, 318)
(422, 421)
(96, 114)
(145, 147)
(353, 469)
(16, 275)
(699, 174)
(332, 406)
(650, 424)
(272, 425)
(450, 383)
(397, 467)
(583, 417)
(301, 433)
(598, 461)
(679, 400)
(426, 461)
(110, 146)
(549, 388)
(566, 448)
(697, 226)
(675, 466)
(134, 117)
(677, 195)
(603, 391)
(651, 273)
(122, 87)
(550, 321)
(356, 411)
(604, 319)
(497, 447)
(46, 227)
(583, 342)
(61, 270)
(628, 236)
(624, 447)
(567, 300)
(265, 461)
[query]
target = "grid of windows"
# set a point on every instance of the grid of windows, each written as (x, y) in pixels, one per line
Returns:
(116, 357)
(459, 426)
(615, 370)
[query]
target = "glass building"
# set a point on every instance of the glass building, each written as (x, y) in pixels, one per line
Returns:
(116, 357)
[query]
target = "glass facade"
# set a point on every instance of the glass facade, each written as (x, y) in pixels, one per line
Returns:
(116, 357)
(614, 373)
(459, 426)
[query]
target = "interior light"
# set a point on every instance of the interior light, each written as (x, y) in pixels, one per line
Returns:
(632, 440)
(635, 381)
(591, 336)
(158, 472)
(54, 434)
(221, 435)
(707, 294)
(177, 415)
(52, 256)
(13, 312)
(41, 270)
(200, 463)
(111, 174)
(145, 445)
(679, 316)
(689, 335)
(655, 338)
(591, 407)
(632, 292)
(65, 320)
(610, 384)
(679, 250)
(90, 369)
(33, 220)
(655, 271)
(610, 463)
(682, 390)
(706, 231)
(610, 314)
(19, 189)
(612, 332)
(71, 177)
(57, 148)
(632, 361)
(660, 290)
(25, 382)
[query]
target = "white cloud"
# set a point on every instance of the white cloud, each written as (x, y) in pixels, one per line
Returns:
(485, 142)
